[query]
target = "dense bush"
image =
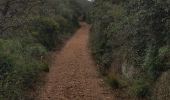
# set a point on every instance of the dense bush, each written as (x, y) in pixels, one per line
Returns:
(19, 68)
(140, 88)
(137, 33)
(28, 30)
(51, 32)
(46, 32)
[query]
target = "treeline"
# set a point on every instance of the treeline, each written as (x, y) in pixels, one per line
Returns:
(28, 30)
(130, 41)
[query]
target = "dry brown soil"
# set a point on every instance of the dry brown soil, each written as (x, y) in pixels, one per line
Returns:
(73, 74)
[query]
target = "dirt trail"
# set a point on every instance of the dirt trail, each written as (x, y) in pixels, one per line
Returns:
(73, 75)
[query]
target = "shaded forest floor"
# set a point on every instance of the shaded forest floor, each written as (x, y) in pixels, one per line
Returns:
(73, 75)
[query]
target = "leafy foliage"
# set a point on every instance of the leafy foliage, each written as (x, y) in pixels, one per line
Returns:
(46, 32)
(134, 31)
(19, 68)
(140, 89)
(28, 30)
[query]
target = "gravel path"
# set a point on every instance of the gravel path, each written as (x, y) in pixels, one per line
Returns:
(73, 75)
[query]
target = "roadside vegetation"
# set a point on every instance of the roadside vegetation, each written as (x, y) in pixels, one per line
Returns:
(29, 29)
(130, 41)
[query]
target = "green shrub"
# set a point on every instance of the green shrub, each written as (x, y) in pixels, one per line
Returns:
(112, 81)
(155, 63)
(5, 67)
(137, 31)
(19, 68)
(66, 26)
(164, 54)
(47, 32)
(26, 36)
(36, 50)
(105, 36)
(50, 32)
(140, 88)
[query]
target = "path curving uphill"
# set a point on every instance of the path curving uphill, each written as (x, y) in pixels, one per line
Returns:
(73, 75)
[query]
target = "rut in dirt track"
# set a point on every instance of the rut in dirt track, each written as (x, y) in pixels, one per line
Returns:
(73, 75)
